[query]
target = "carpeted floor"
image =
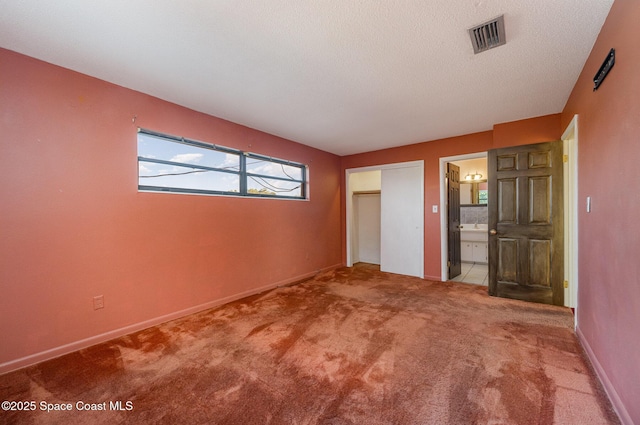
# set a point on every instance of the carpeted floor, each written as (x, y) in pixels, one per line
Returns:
(352, 346)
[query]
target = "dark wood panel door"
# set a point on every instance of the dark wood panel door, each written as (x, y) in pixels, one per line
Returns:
(526, 223)
(453, 214)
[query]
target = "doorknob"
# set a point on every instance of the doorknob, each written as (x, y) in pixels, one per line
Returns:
(493, 232)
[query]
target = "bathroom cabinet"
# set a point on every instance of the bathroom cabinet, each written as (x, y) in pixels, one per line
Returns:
(466, 251)
(473, 244)
(473, 252)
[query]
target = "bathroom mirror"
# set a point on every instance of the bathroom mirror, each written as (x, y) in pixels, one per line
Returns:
(474, 194)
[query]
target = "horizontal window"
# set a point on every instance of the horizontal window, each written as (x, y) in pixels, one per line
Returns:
(172, 164)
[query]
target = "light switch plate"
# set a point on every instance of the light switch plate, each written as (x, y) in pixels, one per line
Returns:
(434, 208)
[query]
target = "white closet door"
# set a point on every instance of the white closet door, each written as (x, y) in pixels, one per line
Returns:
(402, 221)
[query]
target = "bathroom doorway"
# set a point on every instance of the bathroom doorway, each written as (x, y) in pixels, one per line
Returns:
(470, 232)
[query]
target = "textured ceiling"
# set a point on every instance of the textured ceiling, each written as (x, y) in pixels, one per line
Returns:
(342, 76)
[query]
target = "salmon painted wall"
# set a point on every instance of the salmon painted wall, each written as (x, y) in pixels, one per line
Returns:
(534, 130)
(609, 236)
(73, 225)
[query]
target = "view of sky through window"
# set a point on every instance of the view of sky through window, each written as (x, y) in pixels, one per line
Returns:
(170, 164)
(169, 175)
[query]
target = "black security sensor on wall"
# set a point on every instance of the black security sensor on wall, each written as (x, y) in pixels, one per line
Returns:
(604, 69)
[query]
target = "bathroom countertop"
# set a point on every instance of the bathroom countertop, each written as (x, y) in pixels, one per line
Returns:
(473, 228)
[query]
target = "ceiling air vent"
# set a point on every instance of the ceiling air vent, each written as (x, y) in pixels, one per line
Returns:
(488, 35)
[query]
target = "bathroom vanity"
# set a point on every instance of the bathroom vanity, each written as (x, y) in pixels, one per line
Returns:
(474, 243)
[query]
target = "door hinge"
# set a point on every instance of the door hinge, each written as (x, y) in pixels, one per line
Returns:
(566, 284)
(565, 158)
(448, 263)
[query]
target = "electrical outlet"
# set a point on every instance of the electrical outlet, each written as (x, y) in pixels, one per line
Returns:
(98, 302)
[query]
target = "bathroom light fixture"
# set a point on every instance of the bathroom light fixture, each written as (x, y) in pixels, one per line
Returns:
(472, 177)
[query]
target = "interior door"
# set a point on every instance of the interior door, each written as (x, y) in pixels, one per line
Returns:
(526, 223)
(453, 219)
(402, 221)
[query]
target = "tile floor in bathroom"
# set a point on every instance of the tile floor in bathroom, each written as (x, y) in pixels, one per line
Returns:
(473, 273)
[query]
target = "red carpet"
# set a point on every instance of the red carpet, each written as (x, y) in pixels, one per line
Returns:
(353, 346)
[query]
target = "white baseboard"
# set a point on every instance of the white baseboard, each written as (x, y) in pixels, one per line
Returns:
(618, 406)
(97, 339)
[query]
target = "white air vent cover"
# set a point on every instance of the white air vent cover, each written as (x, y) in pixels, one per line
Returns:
(488, 35)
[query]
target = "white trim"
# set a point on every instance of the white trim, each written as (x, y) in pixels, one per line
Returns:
(349, 201)
(616, 402)
(97, 339)
(444, 239)
(570, 148)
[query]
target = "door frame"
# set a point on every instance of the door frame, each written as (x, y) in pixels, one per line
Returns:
(349, 201)
(571, 208)
(444, 228)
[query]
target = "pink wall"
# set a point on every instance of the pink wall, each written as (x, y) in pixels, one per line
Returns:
(609, 236)
(532, 130)
(73, 225)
